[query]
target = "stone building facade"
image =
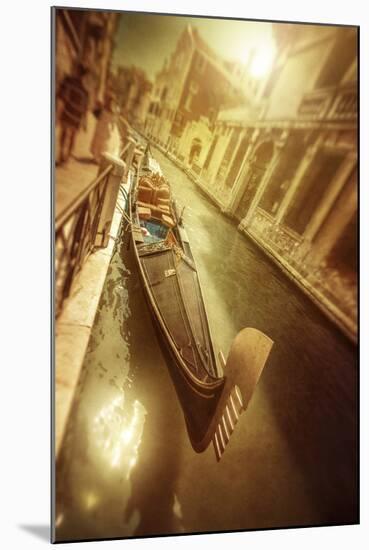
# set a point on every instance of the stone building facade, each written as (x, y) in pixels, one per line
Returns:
(279, 157)
(85, 36)
(133, 92)
(188, 93)
(286, 170)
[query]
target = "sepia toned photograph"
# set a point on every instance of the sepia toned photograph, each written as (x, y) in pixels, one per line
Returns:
(205, 186)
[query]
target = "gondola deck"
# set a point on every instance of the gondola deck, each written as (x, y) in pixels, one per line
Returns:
(171, 280)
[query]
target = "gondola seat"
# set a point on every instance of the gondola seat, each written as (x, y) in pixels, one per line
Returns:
(144, 212)
(168, 220)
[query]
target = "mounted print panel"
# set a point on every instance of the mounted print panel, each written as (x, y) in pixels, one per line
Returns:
(205, 297)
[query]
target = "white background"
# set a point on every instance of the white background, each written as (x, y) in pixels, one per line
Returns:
(25, 268)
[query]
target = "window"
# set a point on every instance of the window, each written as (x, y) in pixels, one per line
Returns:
(200, 63)
(195, 151)
(313, 185)
(194, 87)
(212, 115)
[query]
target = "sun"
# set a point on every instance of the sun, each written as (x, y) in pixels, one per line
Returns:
(262, 61)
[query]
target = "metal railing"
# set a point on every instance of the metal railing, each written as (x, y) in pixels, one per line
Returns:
(76, 230)
(85, 224)
(336, 103)
(344, 105)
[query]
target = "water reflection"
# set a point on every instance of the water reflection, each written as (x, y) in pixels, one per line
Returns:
(125, 415)
(118, 435)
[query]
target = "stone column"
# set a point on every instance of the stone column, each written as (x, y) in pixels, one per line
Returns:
(239, 185)
(110, 200)
(215, 161)
(234, 153)
(278, 148)
(139, 158)
(300, 172)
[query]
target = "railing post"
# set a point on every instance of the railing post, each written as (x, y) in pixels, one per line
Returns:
(139, 158)
(129, 157)
(110, 199)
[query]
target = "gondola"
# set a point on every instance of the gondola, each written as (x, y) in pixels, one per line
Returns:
(212, 392)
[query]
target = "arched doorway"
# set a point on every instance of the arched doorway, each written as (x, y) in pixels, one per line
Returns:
(195, 150)
(257, 168)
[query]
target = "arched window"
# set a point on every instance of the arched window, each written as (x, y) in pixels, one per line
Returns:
(195, 150)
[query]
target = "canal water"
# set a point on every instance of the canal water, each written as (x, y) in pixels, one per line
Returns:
(126, 466)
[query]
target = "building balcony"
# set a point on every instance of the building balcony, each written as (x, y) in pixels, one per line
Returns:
(338, 103)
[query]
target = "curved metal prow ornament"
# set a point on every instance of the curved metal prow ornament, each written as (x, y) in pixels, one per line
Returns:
(245, 363)
(246, 360)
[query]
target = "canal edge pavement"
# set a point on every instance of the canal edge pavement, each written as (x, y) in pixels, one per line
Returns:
(74, 325)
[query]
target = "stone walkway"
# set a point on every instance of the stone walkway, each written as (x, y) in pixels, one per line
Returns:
(74, 325)
(74, 176)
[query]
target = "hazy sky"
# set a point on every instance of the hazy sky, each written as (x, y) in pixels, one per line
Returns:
(145, 40)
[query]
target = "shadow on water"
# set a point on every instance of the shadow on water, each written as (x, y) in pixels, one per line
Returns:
(119, 462)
